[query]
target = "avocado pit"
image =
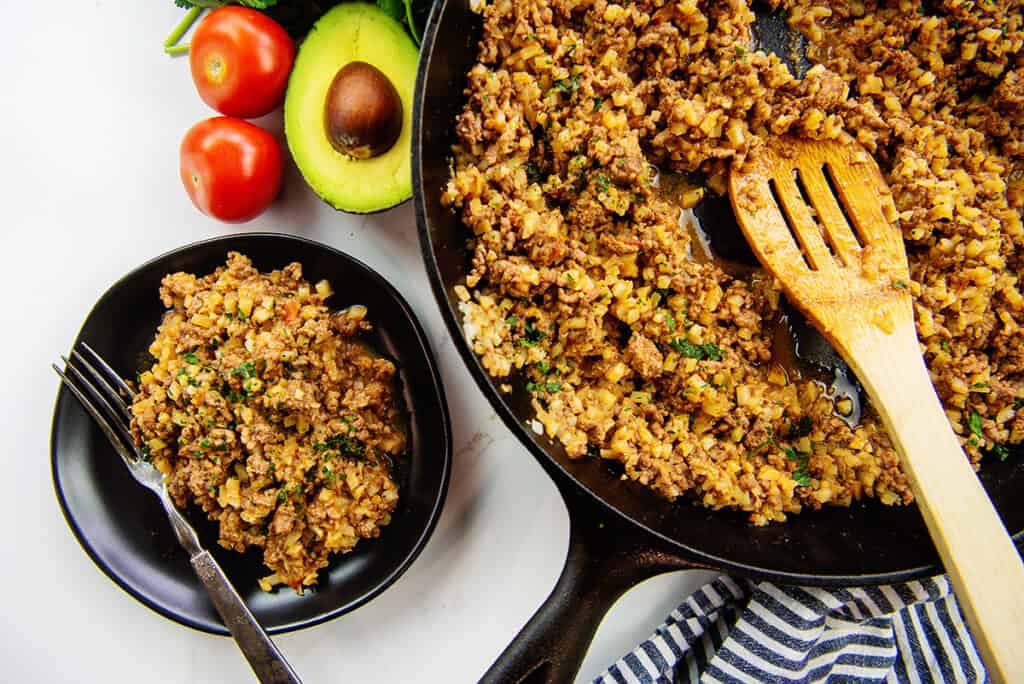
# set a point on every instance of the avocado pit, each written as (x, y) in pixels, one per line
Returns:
(362, 111)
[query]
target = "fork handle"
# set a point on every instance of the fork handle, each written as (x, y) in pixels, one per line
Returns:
(983, 564)
(257, 647)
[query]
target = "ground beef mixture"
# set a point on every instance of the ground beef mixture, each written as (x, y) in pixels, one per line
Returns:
(271, 413)
(583, 274)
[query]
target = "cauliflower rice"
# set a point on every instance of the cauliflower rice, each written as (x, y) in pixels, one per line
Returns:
(584, 278)
(270, 413)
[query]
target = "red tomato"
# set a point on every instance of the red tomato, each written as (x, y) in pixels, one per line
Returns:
(240, 61)
(231, 168)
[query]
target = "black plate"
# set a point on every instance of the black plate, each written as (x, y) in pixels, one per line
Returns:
(121, 525)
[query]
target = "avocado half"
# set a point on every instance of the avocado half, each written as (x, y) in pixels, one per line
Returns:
(351, 31)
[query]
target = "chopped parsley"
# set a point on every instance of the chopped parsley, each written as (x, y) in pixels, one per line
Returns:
(145, 454)
(709, 350)
(531, 336)
(544, 387)
(567, 85)
(598, 102)
(1000, 451)
(602, 182)
(205, 443)
(545, 368)
(214, 489)
(974, 422)
(1018, 403)
(901, 284)
(980, 385)
(801, 428)
(230, 395)
(670, 322)
(532, 172)
(346, 445)
(800, 475)
(511, 321)
(191, 358)
(247, 370)
(282, 494)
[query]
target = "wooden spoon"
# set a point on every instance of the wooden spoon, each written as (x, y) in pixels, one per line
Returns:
(821, 219)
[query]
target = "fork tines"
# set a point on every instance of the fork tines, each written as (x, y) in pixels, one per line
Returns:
(103, 394)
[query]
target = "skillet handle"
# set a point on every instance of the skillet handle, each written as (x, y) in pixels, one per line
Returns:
(606, 557)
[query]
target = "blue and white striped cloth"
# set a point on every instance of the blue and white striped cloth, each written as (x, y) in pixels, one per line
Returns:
(733, 630)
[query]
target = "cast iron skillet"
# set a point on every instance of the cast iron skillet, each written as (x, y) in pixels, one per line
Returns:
(620, 532)
(122, 526)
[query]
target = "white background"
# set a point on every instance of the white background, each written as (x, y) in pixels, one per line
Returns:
(91, 117)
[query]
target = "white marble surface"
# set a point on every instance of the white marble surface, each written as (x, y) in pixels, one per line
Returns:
(89, 129)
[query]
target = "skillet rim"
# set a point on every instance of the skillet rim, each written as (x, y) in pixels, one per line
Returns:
(63, 396)
(490, 390)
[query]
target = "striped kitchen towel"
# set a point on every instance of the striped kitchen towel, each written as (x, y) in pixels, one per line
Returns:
(733, 630)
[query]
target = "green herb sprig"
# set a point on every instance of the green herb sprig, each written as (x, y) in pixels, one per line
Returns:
(800, 475)
(567, 85)
(709, 350)
(531, 336)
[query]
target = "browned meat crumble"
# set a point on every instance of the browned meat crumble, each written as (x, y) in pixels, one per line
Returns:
(584, 275)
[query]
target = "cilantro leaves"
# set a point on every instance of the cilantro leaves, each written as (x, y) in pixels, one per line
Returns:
(709, 350)
(800, 475)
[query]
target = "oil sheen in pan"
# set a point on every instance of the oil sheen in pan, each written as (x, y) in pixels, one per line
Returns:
(797, 347)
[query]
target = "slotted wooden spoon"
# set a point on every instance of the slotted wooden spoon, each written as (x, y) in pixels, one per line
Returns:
(820, 218)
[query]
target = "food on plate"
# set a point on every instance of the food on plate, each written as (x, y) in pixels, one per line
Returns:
(363, 112)
(240, 60)
(272, 414)
(575, 172)
(328, 101)
(231, 168)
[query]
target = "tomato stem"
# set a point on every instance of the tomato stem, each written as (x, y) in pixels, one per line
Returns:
(171, 46)
(409, 20)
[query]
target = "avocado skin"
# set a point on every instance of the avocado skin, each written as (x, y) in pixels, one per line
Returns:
(351, 31)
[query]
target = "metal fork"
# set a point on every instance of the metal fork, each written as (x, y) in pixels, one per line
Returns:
(102, 393)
